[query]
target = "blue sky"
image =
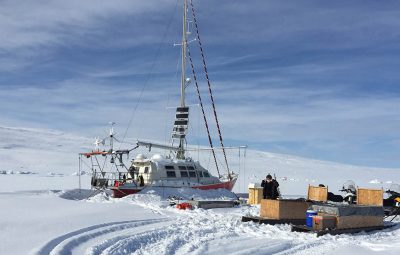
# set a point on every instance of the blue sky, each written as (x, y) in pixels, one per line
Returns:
(311, 78)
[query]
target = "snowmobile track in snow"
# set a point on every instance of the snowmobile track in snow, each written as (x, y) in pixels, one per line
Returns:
(200, 232)
(65, 244)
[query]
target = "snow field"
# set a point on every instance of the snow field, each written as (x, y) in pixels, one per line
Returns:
(207, 232)
(42, 212)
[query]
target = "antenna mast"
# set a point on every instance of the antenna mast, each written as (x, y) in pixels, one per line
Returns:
(183, 72)
(181, 152)
(111, 136)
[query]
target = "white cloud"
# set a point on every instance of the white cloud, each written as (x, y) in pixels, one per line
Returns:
(311, 116)
(32, 29)
(38, 23)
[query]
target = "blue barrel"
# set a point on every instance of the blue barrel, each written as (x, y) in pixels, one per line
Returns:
(309, 217)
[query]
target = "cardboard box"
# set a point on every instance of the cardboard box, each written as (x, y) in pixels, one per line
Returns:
(370, 197)
(321, 222)
(283, 209)
(255, 196)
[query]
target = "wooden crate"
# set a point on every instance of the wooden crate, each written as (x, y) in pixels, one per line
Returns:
(347, 222)
(283, 209)
(370, 197)
(255, 196)
(317, 193)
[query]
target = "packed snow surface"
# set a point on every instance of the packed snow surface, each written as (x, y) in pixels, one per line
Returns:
(90, 222)
(44, 212)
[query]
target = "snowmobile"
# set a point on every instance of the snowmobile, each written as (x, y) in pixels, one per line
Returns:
(349, 187)
(391, 204)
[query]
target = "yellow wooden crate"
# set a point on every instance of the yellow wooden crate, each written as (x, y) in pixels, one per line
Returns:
(319, 194)
(370, 197)
(255, 196)
(283, 209)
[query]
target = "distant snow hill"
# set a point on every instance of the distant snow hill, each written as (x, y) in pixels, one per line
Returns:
(26, 150)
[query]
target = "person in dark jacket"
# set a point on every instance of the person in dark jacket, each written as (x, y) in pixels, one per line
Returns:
(270, 188)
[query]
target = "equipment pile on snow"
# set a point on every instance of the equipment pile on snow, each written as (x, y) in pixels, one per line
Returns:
(362, 210)
(338, 218)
